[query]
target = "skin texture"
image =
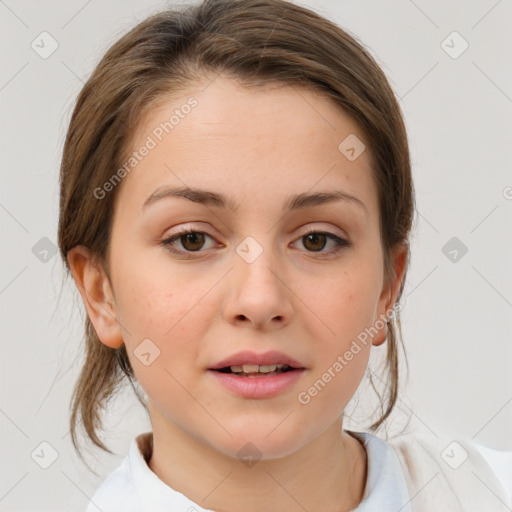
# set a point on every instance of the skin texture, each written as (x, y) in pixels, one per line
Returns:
(258, 147)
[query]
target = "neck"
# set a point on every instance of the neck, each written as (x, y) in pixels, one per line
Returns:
(328, 474)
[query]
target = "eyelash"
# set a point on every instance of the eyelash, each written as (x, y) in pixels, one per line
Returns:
(341, 243)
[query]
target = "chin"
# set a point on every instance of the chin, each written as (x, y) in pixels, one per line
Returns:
(262, 442)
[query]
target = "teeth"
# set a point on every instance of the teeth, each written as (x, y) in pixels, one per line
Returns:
(255, 368)
(250, 368)
(268, 368)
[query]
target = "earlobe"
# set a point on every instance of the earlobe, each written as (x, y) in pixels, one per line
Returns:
(390, 293)
(95, 289)
(380, 337)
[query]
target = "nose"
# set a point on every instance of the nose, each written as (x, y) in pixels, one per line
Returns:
(258, 293)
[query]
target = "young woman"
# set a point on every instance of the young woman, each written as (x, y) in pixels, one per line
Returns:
(236, 204)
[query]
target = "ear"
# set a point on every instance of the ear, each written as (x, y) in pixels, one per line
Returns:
(391, 290)
(95, 288)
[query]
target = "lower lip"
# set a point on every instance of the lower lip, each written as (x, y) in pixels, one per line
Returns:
(261, 386)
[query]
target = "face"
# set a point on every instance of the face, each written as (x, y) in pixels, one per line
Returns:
(264, 272)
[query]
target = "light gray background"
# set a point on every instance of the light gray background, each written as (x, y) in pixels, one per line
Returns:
(457, 316)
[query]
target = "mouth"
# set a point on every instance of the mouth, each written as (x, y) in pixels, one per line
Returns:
(246, 364)
(258, 376)
(255, 370)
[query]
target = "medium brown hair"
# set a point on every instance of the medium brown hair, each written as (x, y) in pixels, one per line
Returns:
(255, 42)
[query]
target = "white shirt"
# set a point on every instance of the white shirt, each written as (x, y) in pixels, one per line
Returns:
(133, 487)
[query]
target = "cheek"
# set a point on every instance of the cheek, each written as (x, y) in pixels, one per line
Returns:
(169, 309)
(154, 301)
(161, 322)
(343, 305)
(343, 309)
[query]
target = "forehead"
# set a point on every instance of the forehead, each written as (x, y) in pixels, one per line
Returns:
(224, 106)
(246, 140)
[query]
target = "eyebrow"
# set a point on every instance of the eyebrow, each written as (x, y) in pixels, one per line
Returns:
(207, 197)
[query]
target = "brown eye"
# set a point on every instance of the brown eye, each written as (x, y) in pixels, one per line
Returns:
(192, 241)
(315, 241)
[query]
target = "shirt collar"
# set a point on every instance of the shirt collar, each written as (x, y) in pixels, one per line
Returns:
(155, 494)
(385, 488)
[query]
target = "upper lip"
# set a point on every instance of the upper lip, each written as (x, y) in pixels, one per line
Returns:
(266, 358)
